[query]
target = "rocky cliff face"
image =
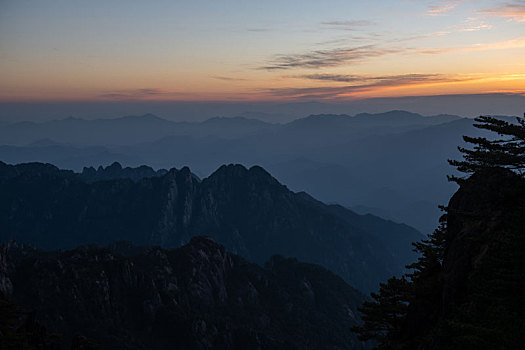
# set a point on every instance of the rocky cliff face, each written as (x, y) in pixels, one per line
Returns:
(6, 287)
(483, 267)
(247, 210)
(474, 299)
(195, 297)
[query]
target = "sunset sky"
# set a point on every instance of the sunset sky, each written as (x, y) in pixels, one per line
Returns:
(234, 50)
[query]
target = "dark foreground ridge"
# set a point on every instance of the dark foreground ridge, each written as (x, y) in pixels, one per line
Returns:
(195, 297)
(246, 210)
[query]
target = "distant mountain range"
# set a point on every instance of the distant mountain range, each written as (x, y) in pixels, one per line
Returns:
(464, 104)
(195, 297)
(247, 210)
(124, 130)
(137, 129)
(393, 163)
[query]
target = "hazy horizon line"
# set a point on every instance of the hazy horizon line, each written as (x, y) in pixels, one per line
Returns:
(466, 105)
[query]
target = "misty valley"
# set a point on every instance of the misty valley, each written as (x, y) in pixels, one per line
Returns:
(392, 164)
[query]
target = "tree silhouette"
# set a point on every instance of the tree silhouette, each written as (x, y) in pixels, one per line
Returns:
(383, 317)
(507, 152)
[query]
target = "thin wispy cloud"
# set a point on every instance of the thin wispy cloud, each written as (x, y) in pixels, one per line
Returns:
(476, 27)
(218, 77)
(328, 58)
(470, 24)
(139, 94)
(370, 38)
(362, 83)
(499, 45)
(346, 78)
(423, 36)
(514, 11)
(377, 46)
(442, 7)
(346, 25)
(319, 59)
(382, 79)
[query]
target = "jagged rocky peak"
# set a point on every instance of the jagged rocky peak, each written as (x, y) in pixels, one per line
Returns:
(33, 170)
(116, 171)
(186, 172)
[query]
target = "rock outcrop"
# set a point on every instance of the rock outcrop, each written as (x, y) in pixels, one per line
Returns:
(474, 298)
(115, 171)
(195, 297)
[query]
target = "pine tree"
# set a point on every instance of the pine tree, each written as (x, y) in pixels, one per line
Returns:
(431, 252)
(383, 317)
(507, 152)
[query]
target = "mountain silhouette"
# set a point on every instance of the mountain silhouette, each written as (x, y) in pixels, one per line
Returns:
(247, 210)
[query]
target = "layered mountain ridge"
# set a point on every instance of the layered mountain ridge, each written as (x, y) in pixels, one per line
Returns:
(364, 156)
(247, 210)
(148, 127)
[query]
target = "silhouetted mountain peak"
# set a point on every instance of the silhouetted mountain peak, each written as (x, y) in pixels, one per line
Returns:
(319, 120)
(237, 170)
(394, 114)
(260, 171)
(33, 171)
(239, 175)
(186, 174)
(116, 171)
(233, 120)
(114, 166)
(148, 118)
